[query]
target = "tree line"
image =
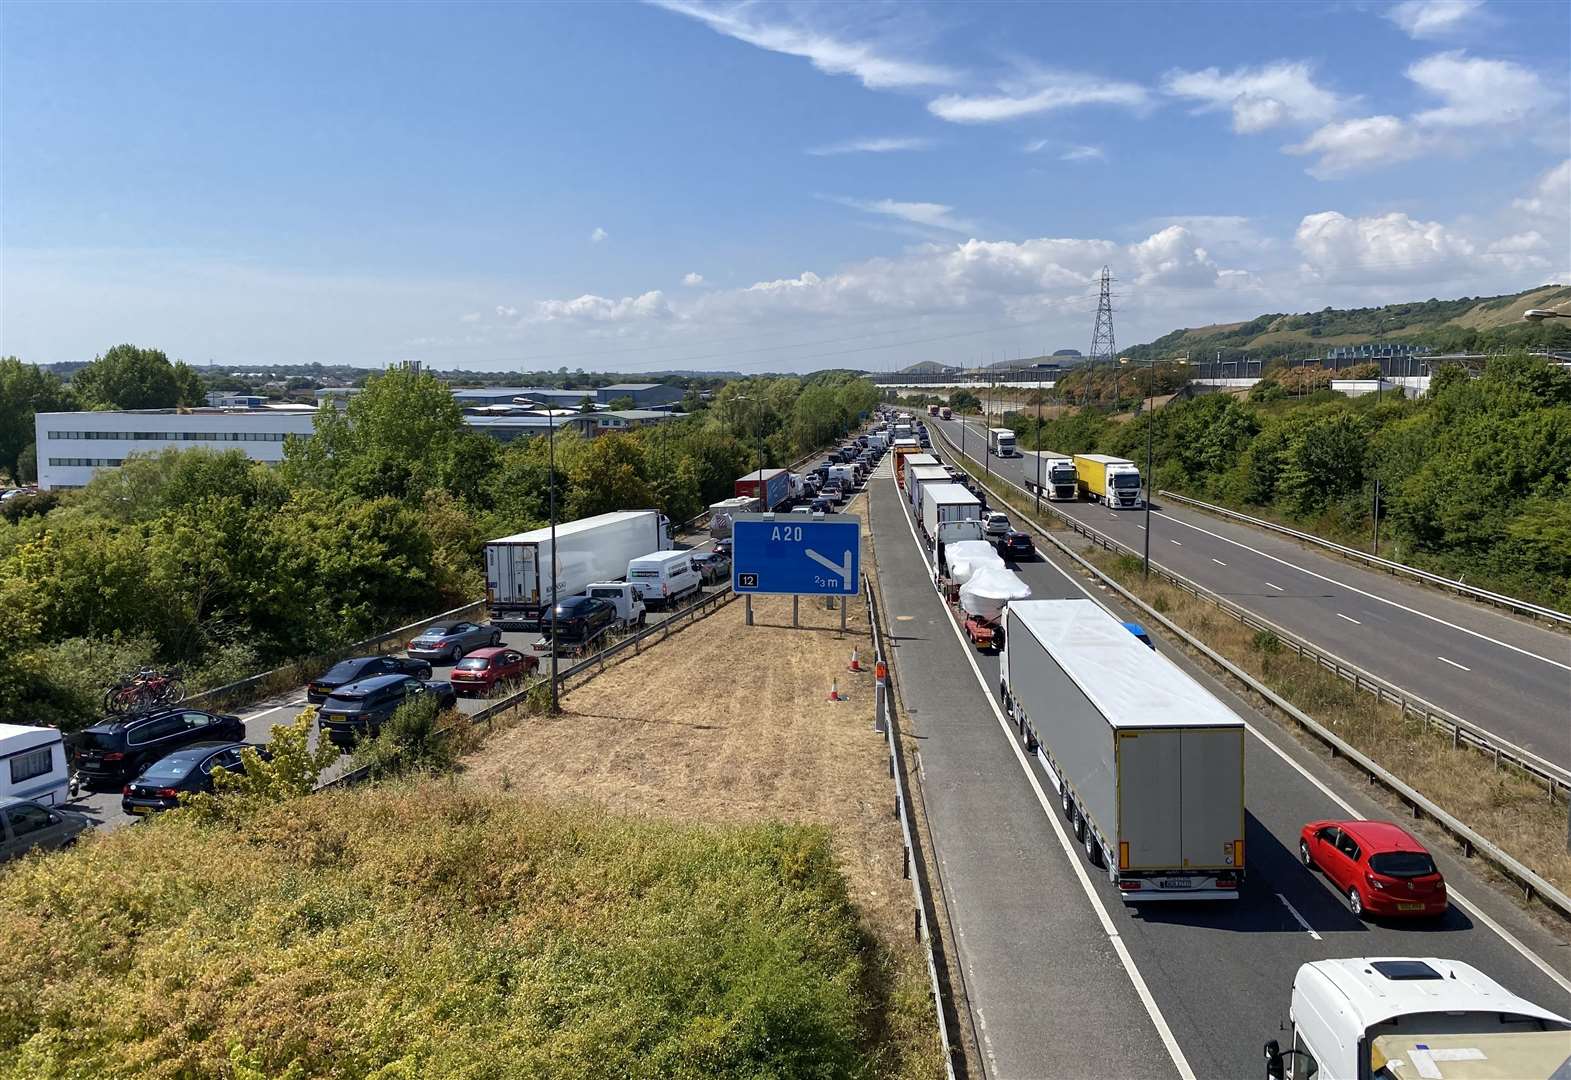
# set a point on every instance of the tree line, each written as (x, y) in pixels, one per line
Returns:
(1474, 477)
(228, 566)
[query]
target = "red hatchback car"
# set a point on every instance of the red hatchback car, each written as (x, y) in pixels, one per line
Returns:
(481, 670)
(1378, 866)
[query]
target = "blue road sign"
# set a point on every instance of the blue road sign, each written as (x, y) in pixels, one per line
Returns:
(796, 554)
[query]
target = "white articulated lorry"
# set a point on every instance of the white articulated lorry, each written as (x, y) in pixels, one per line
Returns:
(594, 549)
(1058, 478)
(1001, 441)
(1149, 766)
(1414, 1018)
(919, 475)
(947, 502)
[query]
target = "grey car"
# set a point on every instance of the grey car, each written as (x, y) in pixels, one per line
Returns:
(25, 825)
(449, 642)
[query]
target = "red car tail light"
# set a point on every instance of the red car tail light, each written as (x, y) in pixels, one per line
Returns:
(113, 755)
(166, 793)
(126, 790)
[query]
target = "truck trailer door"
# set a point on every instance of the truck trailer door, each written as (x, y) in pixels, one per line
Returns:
(1148, 791)
(1212, 808)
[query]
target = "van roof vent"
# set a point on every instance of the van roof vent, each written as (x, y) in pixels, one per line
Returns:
(1405, 970)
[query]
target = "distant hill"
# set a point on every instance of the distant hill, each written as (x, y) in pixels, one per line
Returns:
(1444, 325)
(927, 367)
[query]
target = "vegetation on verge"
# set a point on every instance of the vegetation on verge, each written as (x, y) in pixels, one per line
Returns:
(420, 930)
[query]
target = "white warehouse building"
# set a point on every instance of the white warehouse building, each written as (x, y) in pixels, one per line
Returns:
(72, 446)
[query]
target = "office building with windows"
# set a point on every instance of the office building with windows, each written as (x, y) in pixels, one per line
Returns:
(72, 446)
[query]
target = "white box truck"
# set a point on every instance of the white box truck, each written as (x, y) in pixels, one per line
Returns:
(1148, 765)
(518, 568)
(947, 502)
(1112, 481)
(1414, 1018)
(1059, 481)
(1001, 441)
(918, 475)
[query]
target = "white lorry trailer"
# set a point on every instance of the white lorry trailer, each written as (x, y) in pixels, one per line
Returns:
(1054, 472)
(1001, 441)
(919, 475)
(1148, 765)
(947, 502)
(518, 567)
(722, 513)
(1414, 1018)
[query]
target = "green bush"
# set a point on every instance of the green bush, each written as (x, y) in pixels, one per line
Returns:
(425, 931)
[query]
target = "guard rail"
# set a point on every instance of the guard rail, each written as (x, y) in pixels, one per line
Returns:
(920, 894)
(1533, 611)
(1531, 883)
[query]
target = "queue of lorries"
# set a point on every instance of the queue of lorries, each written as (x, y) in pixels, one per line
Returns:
(1149, 770)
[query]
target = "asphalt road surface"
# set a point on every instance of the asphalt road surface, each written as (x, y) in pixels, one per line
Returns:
(1043, 948)
(1504, 675)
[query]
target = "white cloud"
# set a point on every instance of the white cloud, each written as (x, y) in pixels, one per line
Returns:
(1042, 92)
(872, 145)
(1259, 98)
(505, 312)
(693, 279)
(1519, 243)
(1391, 246)
(1171, 257)
(1478, 91)
(598, 236)
(828, 53)
(1551, 196)
(1083, 153)
(1350, 145)
(929, 215)
(1432, 18)
(599, 309)
(469, 317)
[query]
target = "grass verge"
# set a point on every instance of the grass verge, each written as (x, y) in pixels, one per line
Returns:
(432, 929)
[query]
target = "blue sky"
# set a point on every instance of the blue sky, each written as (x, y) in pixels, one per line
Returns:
(758, 186)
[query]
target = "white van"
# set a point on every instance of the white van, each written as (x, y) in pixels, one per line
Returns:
(664, 577)
(33, 764)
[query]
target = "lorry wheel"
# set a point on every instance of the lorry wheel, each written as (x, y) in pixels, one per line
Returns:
(1080, 826)
(1063, 797)
(1093, 849)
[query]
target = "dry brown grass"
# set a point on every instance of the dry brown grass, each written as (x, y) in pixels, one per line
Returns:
(730, 723)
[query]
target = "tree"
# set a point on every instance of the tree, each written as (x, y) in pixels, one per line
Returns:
(24, 391)
(190, 390)
(622, 403)
(129, 377)
(964, 401)
(587, 405)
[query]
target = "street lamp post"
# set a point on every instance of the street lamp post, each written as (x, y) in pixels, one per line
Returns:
(556, 704)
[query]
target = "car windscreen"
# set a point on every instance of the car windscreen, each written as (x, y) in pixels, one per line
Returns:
(472, 663)
(1402, 864)
(347, 704)
(344, 671)
(434, 632)
(177, 767)
(99, 740)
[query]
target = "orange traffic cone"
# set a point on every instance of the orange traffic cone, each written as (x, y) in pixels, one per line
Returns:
(856, 661)
(834, 691)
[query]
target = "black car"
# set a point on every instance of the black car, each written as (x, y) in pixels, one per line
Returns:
(360, 708)
(190, 770)
(723, 546)
(823, 505)
(1016, 545)
(116, 750)
(713, 566)
(579, 620)
(363, 667)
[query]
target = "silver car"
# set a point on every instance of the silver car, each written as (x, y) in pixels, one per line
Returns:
(449, 642)
(25, 825)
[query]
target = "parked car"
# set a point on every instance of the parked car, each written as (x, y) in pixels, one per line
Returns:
(1016, 545)
(118, 749)
(363, 667)
(448, 642)
(579, 620)
(714, 565)
(1380, 867)
(189, 769)
(25, 825)
(361, 708)
(483, 669)
(995, 526)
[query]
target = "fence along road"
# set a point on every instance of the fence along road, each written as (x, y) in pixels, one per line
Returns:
(1504, 675)
(1219, 974)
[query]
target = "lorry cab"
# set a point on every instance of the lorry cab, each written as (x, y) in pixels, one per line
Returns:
(622, 595)
(1395, 1018)
(664, 577)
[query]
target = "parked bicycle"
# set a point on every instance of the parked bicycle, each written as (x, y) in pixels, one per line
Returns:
(145, 689)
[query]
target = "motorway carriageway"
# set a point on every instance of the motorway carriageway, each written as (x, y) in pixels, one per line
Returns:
(1063, 979)
(104, 806)
(1504, 675)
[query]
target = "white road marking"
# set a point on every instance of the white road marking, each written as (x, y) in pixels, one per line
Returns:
(1219, 562)
(1310, 930)
(1180, 543)
(1180, 1063)
(1141, 527)
(1349, 618)
(1374, 596)
(1275, 586)
(1471, 908)
(1453, 663)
